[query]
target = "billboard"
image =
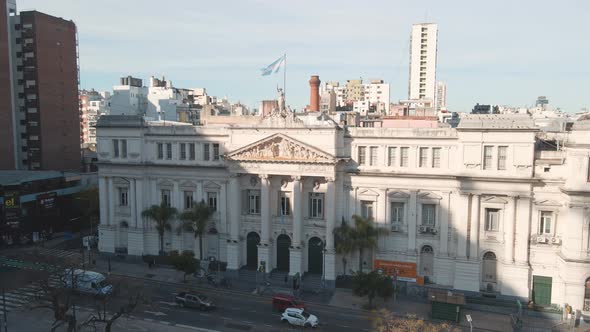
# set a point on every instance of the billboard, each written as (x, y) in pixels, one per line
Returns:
(12, 209)
(47, 201)
(403, 271)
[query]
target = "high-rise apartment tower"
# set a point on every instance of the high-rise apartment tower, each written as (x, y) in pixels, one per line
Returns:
(423, 44)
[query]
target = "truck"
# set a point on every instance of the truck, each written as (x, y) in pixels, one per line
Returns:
(88, 282)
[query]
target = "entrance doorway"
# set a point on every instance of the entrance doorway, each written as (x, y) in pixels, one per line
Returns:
(489, 273)
(252, 241)
(283, 244)
(587, 296)
(315, 255)
(542, 290)
(426, 263)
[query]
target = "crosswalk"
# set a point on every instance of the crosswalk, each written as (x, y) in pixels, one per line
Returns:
(30, 294)
(73, 256)
(66, 257)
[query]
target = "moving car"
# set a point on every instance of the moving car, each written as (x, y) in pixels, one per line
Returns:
(89, 282)
(192, 300)
(281, 302)
(299, 317)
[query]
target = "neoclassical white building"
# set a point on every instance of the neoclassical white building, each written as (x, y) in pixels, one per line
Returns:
(483, 207)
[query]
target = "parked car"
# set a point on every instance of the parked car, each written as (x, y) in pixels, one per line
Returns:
(192, 300)
(299, 317)
(281, 302)
(87, 282)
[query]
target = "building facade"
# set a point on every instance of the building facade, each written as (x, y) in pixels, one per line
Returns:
(423, 58)
(40, 103)
(476, 208)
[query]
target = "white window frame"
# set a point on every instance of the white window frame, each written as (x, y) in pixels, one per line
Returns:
(436, 157)
(215, 151)
(165, 196)
(368, 209)
(123, 197)
(191, 151)
(188, 196)
(362, 155)
(422, 157)
(160, 151)
(115, 148)
(168, 151)
(373, 155)
(502, 157)
(488, 158)
(316, 205)
(397, 212)
(182, 147)
(543, 222)
(253, 201)
(430, 222)
(404, 159)
(492, 225)
(285, 203)
(212, 200)
(123, 148)
(391, 156)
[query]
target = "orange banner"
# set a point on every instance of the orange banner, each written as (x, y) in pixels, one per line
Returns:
(391, 268)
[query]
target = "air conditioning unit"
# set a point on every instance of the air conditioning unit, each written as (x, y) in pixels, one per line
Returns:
(587, 305)
(433, 230)
(424, 229)
(555, 240)
(395, 228)
(541, 239)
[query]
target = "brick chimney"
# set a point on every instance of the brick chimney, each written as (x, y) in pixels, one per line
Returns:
(314, 102)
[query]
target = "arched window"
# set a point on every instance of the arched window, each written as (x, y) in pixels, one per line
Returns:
(426, 262)
(489, 267)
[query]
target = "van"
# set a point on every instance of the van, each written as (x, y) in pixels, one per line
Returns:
(283, 301)
(88, 282)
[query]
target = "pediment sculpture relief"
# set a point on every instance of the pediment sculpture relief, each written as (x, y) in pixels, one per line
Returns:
(279, 148)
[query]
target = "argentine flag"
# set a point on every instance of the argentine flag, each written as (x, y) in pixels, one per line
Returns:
(273, 67)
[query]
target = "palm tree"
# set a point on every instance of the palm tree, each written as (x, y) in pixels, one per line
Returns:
(363, 236)
(161, 215)
(196, 219)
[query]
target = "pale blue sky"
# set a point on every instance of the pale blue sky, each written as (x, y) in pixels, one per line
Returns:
(498, 52)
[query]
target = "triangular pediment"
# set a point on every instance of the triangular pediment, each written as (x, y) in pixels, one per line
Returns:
(211, 185)
(367, 192)
(399, 194)
(428, 195)
(495, 199)
(548, 202)
(280, 148)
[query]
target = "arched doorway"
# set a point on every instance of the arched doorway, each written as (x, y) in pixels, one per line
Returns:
(283, 244)
(488, 272)
(427, 263)
(252, 241)
(315, 255)
(587, 296)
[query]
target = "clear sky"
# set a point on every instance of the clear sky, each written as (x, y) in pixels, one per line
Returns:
(496, 52)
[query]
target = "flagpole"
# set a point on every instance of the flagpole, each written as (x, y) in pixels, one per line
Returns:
(285, 79)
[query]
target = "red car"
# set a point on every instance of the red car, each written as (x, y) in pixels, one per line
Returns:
(282, 302)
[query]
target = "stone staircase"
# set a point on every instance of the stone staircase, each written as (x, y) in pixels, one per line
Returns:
(312, 281)
(277, 277)
(247, 276)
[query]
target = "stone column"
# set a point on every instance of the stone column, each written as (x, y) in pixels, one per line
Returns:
(412, 215)
(382, 207)
(330, 213)
(265, 248)
(330, 254)
(445, 210)
(103, 200)
(111, 201)
(461, 224)
(223, 219)
(174, 197)
(509, 230)
(132, 203)
(139, 203)
(297, 212)
(474, 232)
(233, 245)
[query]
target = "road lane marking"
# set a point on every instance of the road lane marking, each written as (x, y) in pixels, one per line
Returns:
(169, 303)
(200, 329)
(206, 315)
(164, 322)
(247, 322)
(267, 325)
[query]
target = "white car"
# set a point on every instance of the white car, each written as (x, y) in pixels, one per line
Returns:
(299, 317)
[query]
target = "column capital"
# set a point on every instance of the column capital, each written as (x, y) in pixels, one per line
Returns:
(330, 179)
(235, 175)
(296, 178)
(263, 176)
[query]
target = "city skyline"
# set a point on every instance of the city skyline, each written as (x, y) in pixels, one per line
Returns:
(221, 47)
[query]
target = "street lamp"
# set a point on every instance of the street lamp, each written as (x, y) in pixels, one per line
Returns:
(470, 324)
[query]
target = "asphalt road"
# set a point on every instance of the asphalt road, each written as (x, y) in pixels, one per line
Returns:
(235, 311)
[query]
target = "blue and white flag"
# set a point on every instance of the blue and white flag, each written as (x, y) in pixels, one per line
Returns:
(273, 67)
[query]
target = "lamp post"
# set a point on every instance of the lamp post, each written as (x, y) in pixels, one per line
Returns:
(470, 322)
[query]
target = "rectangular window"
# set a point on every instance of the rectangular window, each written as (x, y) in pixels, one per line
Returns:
(166, 197)
(373, 155)
(116, 148)
(215, 151)
(423, 157)
(253, 201)
(362, 155)
(212, 201)
(428, 214)
(403, 159)
(492, 220)
(487, 157)
(397, 213)
(545, 222)
(123, 197)
(191, 151)
(436, 157)
(188, 199)
(160, 151)
(123, 148)
(316, 205)
(502, 157)
(391, 156)
(367, 209)
(285, 204)
(182, 151)
(206, 151)
(168, 151)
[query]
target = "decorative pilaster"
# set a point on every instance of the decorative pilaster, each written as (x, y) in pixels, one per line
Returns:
(474, 231)
(132, 203)
(264, 209)
(235, 212)
(330, 213)
(412, 215)
(111, 201)
(523, 215)
(509, 231)
(138, 203)
(297, 213)
(103, 200)
(445, 210)
(461, 223)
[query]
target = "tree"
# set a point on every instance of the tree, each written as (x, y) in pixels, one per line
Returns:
(372, 284)
(385, 321)
(161, 215)
(195, 220)
(185, 262)
(363, 236)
